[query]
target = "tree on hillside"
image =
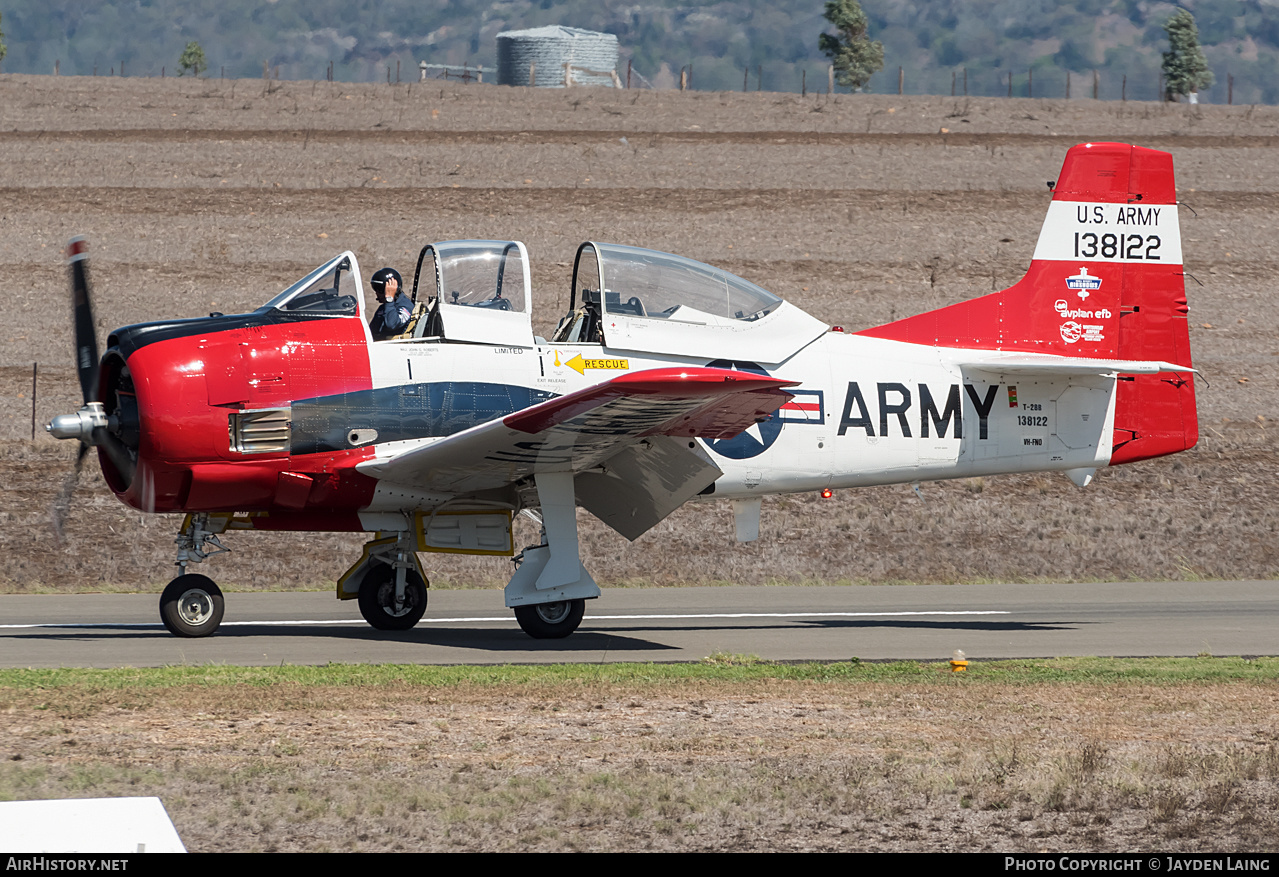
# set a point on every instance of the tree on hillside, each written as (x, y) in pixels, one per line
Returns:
(192, 60)
(854, 55)
(3, 50)
(1185, 66)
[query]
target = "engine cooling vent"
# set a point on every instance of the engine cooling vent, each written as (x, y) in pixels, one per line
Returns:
(265, 431)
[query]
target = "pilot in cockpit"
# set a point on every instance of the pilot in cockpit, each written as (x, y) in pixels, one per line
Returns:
(396, 308)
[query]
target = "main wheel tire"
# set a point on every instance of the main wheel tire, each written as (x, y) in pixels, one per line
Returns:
(192, 606)
(377, 599)
(551, 620)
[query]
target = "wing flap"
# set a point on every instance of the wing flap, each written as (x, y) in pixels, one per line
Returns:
(640, 485)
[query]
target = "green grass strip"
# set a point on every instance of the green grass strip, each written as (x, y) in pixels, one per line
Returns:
(716, 668)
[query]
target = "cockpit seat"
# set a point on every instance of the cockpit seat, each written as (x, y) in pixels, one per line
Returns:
(419, 311)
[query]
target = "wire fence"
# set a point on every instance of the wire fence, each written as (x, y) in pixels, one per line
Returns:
(964, 81)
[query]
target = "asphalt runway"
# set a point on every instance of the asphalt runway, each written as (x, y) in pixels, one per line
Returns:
(791, 623)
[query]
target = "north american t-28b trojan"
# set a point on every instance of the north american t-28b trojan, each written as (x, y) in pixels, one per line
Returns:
(667, 380)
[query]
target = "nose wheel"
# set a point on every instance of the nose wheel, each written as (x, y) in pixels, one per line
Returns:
(191, 606)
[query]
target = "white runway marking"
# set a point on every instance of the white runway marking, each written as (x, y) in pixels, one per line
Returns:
(355, 622)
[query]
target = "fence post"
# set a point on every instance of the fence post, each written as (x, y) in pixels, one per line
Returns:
(1096, 81)
(965, 82)
(35, 368)
(56, 64)
(803, 84)
(953, 75)
(830, 79)
(628, 73)
(1030, 82)
(1010, 83)
(1123, 91)
(1230, 89)
(901, 79)
(1067, 85)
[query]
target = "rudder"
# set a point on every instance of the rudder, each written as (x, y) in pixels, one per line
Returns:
(1106, 281)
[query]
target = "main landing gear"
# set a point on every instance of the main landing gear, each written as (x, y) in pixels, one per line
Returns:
(548, 591)
(550, 587)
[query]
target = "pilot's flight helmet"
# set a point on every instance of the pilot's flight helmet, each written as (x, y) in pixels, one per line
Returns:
(378, 280)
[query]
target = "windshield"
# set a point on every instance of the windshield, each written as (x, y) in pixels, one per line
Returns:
(329, 289)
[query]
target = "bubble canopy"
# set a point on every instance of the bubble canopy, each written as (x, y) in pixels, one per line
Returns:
(630, 298)
(648, 283)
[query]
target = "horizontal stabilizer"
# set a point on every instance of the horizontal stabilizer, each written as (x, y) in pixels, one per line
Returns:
(1048, 364)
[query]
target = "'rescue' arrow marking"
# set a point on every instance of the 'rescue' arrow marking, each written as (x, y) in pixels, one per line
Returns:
(580, 365)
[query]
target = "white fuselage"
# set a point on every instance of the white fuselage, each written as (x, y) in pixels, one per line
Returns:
(866, 411)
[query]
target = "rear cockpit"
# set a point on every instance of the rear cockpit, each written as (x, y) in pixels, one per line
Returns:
(629, 298)
(654, 286)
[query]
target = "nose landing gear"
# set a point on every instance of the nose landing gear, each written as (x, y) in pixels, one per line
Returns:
(192, 605)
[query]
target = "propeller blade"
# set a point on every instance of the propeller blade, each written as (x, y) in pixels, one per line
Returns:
(62, 502)
(86, 334)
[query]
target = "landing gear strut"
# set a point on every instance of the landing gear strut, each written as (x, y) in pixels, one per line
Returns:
(550, 586)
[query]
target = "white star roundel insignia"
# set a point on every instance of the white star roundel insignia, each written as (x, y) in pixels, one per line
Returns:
(757, 438)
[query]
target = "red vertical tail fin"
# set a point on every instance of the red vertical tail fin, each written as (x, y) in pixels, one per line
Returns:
(1106, 281)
